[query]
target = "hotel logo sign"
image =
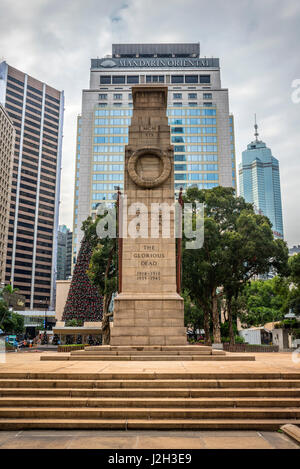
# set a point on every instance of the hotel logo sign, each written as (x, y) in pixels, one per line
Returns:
(156, 63)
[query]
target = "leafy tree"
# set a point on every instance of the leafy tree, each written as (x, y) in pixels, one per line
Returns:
(102, 270)
(193, 315)
(264, 301)
(294, 294)
(10, 322)
(238, 245)
(294, 264)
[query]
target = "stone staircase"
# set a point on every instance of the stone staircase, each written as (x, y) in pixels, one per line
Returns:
(149, 400)
(148, 353)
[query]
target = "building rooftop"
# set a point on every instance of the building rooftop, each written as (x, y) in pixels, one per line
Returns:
(156, 50)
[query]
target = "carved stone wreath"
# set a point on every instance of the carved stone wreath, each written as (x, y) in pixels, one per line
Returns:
(149, 183)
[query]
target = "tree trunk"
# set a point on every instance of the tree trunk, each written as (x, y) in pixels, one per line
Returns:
(216, 319)
(105, 320)
(230, 322)
(207, 340)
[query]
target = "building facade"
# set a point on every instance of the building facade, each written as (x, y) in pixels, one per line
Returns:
(259, 182)
(64, 252)
(36, 110)
(7, 143)
(294, 250)
(202, 130)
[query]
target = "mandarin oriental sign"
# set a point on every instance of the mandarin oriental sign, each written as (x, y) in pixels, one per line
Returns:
(155, 62)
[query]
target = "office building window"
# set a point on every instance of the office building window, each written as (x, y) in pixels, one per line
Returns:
(176, 78)
(102, 96)
(118, 96)
(207, 104)
(204, 78)
(177, 96)
(118, 79)
(191, 78)
(132, 79)
(207, 95)
(105, 80)
(155, 78)
(192, 95)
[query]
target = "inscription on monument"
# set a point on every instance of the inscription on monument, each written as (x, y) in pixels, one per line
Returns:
(148, 258)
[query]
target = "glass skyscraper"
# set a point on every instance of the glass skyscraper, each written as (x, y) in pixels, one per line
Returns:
(202, 130)
(259, 182)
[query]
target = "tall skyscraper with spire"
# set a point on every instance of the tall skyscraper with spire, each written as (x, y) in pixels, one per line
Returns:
(259, 182)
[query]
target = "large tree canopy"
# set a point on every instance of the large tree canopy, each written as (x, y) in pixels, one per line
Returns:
(238, 245)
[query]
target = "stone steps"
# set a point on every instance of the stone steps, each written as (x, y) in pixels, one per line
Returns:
(158, 402)
(147, 353)
(150, 413)
(113, 393)
(59, 357)
(146, 384)
(145, 424)
(152, 401)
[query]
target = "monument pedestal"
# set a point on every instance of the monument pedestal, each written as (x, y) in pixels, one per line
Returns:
(148, 319)
(148, 309)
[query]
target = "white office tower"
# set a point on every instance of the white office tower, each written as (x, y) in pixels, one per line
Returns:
(198, 111)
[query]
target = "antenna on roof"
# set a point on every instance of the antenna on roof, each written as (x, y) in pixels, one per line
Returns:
(255, 127)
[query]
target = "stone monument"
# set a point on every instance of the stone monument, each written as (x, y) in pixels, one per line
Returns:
(148, 309)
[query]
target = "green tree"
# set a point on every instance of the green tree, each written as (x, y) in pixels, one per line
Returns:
(294, 294)
(10, 322)
(238, 245)
(102, 270)
(264, 301)
(193, 315)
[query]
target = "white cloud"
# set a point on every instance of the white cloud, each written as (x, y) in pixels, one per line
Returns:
(257, 43)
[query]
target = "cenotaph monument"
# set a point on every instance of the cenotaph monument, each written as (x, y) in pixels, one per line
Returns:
(148, 309)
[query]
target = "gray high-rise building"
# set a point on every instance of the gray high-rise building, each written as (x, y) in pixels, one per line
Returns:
(36, 110)
(202, 129)
(64, 252)
(259, 182)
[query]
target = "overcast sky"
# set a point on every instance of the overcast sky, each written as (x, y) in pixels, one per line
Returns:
(257, 43)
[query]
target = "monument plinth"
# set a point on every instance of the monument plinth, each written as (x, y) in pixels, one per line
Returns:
(148, 310)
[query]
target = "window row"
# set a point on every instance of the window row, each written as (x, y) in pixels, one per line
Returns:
(192, 95)
(113, 112)
(115, 96)
(110, 130)
(193, 121)
(106, 186)
(197, 177)
(115, 104)
(110, 139)
(109, 149)
(196, 157)
(107, 167)
(205, 185)
(112, 121)
(109, 177)
(191, 112)
(132, 79)
(197, 148)
(104, 158)
(182, 139)
(118, 79)
(101, 196)
(194, 130)
(196, 167)
(190, 78)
